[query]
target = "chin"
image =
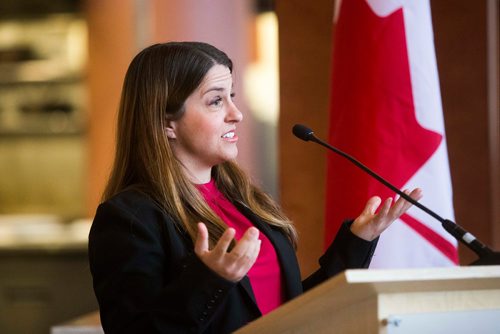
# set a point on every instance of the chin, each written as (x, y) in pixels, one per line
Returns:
(231, 155)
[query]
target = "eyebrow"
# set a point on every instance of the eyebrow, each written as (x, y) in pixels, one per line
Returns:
(217, 89)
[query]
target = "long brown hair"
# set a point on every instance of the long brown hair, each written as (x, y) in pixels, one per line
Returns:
(157, 83)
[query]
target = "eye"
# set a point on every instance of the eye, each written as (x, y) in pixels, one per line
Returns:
(216, 102)
(233, 95)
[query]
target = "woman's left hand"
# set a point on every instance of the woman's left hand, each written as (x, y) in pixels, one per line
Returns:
(369, 225)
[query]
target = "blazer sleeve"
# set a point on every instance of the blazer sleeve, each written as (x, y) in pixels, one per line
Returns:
(347, 251)
(143, 281)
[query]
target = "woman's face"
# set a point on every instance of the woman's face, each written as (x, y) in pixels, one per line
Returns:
(205, 134)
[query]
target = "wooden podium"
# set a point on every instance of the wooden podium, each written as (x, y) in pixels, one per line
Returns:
(438, 300)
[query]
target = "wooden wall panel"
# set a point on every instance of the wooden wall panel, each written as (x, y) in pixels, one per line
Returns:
(111, 46)
(461, 48)
(305, 52)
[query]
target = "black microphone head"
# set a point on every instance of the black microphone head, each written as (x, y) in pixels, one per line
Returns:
(302, 132)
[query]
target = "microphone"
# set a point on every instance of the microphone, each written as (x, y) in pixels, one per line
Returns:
(485, 254)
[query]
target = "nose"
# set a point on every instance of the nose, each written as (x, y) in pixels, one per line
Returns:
(233, 115)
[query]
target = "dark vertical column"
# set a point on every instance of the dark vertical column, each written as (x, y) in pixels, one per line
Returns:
(305, 51)
(460, 30)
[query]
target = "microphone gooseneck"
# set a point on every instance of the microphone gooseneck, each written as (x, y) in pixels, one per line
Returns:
(486, 255)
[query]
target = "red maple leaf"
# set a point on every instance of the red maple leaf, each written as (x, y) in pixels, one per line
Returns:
(372, 114)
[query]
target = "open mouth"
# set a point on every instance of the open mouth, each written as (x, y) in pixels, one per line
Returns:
(229, 135)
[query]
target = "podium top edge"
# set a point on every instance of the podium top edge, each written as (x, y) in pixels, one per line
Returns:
(420, 274)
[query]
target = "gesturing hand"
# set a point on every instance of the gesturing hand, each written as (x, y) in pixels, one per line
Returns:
(369, 225)
(234, 265)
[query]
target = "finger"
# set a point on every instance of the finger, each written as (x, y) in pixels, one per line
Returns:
(402, 205)
(251, 233)
(256, 251)
(224, 241)
(201, 244)
(245, 261)
(372, 205)
(251, 236)
(384, 209)
(416, 194)
(406, 204)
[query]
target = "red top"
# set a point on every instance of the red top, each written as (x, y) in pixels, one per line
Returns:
(265, 274)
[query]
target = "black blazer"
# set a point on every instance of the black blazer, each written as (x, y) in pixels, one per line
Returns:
(147, 278)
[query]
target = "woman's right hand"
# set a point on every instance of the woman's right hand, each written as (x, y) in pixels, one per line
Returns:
(233, 265)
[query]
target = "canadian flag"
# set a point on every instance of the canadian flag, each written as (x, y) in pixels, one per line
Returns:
(386, 112)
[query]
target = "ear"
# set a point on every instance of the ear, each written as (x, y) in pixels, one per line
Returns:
(170, 129)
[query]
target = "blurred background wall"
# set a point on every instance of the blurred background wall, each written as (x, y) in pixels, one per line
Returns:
(62, 63)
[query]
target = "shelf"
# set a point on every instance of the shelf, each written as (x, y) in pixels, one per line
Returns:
(38, 72)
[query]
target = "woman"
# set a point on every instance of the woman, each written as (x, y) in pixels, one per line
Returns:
(183, 242)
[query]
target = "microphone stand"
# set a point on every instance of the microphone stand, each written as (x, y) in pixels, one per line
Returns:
(485, 254)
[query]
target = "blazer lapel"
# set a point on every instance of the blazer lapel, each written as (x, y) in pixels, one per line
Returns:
(286, 254)
(247, 287)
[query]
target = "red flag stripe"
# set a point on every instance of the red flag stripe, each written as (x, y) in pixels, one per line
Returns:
(444, 246)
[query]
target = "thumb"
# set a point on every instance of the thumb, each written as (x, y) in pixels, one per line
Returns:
(201, 244)
(372, 205)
